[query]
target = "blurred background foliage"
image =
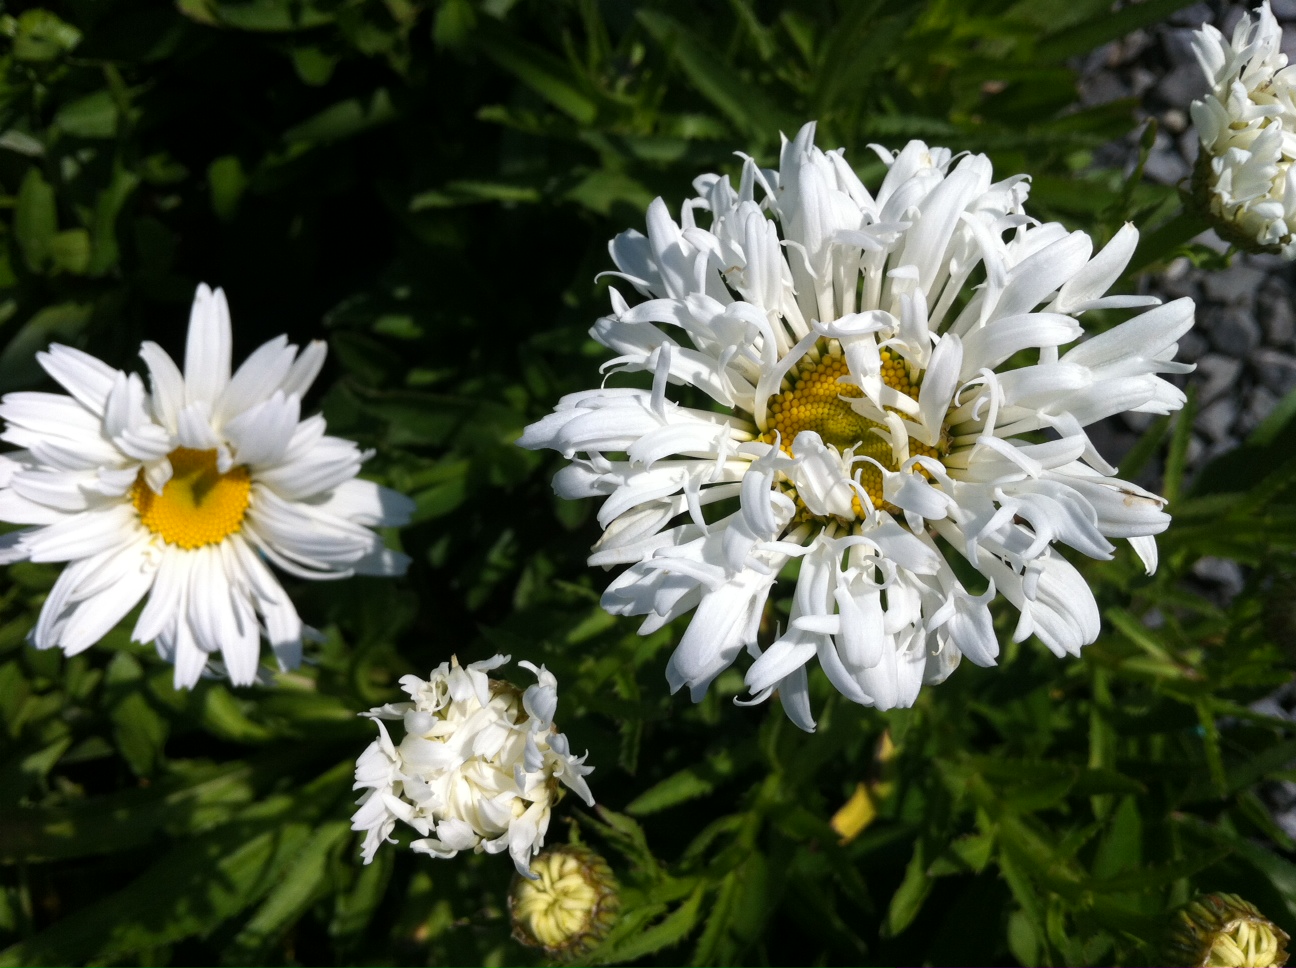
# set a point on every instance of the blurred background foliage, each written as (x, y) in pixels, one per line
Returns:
(431, 186)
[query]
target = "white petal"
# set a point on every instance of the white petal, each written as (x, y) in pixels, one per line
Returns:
(208, 348)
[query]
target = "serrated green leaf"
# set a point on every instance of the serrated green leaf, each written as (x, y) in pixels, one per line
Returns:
(909, 897)
(738, 99)
(550, 77)
(300, 884)
(671, 930)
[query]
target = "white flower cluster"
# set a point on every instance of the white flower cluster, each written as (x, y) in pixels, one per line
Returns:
(875, 363)
(182, 493)
(1247, 127)
(478, 768)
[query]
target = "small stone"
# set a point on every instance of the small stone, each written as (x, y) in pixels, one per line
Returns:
(1276, 370)
(1238, 284)
(1182, 86)
(1192, 16)
(1196, 450)
(1277, 320)
(1101, 88)
(1166, 167)
(1219, 449)
(1140, 80)
(1262, 403)
(1220, 571)
(1176, 121)
(1268, 262)
(1216, 421)
(1111, 439)
(1135, 44)
(1216, 375)
(1233, 331)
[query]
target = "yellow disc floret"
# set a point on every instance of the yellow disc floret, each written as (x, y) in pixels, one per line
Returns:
(199, 505)
(815, 399)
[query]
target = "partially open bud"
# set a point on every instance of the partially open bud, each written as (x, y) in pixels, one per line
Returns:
(1223, 929)
(570, 905)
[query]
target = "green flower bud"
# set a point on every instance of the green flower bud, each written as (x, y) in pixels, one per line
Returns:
(1222, 929)
(569, 907)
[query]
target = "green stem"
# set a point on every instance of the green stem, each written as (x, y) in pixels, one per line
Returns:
(1156, 245)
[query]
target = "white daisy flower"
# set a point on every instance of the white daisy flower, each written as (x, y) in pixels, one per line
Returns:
(874, 362)
(478, 768)
(184, 494)
(1247, 126)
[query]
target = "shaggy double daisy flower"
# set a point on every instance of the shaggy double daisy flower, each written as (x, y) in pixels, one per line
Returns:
(184, 494)
(875, 363)
(1247, 126)
(478, 768)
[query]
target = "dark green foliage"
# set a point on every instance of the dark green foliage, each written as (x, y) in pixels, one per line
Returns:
(431, 186)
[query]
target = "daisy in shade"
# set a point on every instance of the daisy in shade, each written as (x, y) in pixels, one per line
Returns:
(184, 492)
(900, 390)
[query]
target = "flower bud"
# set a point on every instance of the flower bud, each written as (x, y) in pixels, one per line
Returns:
(1223, 929)
(570, 905)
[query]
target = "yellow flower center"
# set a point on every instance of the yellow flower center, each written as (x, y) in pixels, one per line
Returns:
(814, 401)
(199, 505)
(570, 903)
(1245, 945)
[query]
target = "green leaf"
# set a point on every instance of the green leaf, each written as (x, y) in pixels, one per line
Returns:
(300, 884)
(457, 193)
(18, 366)
(70, 251)
(226, 180)
(35, 220)
(264, 16)
(692, 781)
(103, 232)
(140, 731)
(192, 888)
(670, 931)
(93, 116)
(737, 98)
(1107, 26)
(551, 78)
(344, 119)
(184, 801)
(908, 898)
(39, 35)
(188, 892)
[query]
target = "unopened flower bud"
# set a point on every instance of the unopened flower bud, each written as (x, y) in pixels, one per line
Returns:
(570, 905)
(1223, 929)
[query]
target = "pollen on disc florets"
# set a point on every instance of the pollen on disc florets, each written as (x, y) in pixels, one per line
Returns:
(815, 398)
(199, 505)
